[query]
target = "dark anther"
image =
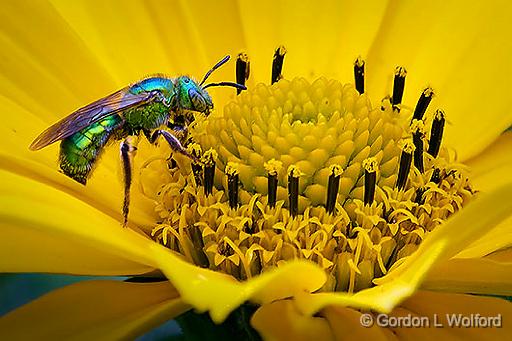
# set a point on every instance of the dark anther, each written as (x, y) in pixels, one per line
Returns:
(333, 187)
(423, 102)
(418, 134)
(293, 189)
(272, 189)
(242, 70)
(405, 164)
(209, 170)
(420, 200)
(277, 64)
(359, 75)
(197, 169)
(272, 168)
(232, 173)
(436, 133)
(436, 176)
(418, 151)
(398, 88)
(370, 178)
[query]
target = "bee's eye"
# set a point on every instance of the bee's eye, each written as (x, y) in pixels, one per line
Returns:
(198, 102)
(186, 80)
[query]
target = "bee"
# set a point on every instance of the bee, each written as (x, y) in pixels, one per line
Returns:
(146, 106)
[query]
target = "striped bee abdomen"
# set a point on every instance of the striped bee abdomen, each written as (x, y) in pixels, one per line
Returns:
(79, 151)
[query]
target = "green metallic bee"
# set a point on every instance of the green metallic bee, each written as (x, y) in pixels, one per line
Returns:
(145, 107)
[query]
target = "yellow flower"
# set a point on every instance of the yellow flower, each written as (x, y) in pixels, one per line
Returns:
(60, 55)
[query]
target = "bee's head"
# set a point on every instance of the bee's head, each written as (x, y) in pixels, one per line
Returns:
(191, 96)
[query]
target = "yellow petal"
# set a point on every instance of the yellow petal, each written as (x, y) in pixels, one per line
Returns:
(493, 166)
(490, 169)
(346, 325)
(94, 310)
(220, 294)
(442, 244)
(496, 239)
(428, 304)
(121, 42)
(489, 275)
(318, 48)
(46, 230)
(281, 321)
(460, 72)
(46, 75)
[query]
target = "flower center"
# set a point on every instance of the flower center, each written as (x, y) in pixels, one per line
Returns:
(310, 170)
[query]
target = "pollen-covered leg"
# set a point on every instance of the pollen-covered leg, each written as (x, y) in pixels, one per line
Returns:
(179, 128)
(173, 142)
(127, 154)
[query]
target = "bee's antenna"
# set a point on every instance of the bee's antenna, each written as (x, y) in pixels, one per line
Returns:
(215, 67)
(234, 85)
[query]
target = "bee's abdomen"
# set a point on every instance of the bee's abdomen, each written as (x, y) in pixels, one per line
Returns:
(79, 151)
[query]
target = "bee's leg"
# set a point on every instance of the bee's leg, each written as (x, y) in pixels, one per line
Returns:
(179, 131)
(127, 154)
(173, 142)
(179, 127)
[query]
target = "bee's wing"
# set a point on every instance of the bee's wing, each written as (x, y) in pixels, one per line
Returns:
(83, 117)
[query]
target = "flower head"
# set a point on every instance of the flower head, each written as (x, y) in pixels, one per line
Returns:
(300, 170)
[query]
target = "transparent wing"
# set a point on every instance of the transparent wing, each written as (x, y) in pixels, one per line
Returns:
(83, 117)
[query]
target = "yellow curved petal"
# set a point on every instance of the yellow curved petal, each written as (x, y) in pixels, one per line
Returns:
(442, 244)
(489, 275)
(320, 40)
(127, 43)
(30, 249)
(220, 294)
(346, 325)
(490, 169)
(430, 304)
(94, 310)
(497, 238)
(47, 230)
(182, 37)
(470, 74)
(493, 166)
(46, 75)
(280, 320)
